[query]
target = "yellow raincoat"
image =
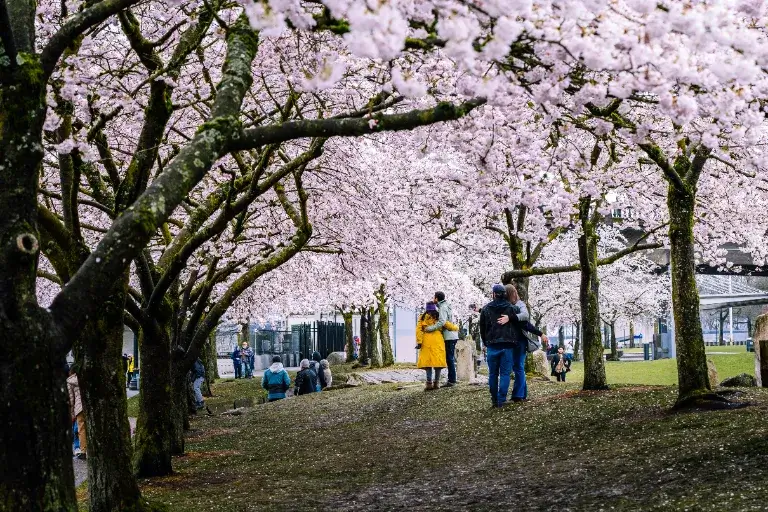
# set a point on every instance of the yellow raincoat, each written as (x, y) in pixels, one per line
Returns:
(432, 353)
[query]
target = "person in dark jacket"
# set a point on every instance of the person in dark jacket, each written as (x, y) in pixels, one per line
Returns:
(276, 380)
(499, 341)
(237, 363)
(198, 376)
(314, 366)
(560, 365)
(306, 379)
(520, 347)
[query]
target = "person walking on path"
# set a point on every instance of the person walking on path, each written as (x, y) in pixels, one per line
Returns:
(76, 411)
(499, 342)
(445, 314)
(560, 365)
(325, 376)
(276, 380)
(198, 376)
(306, 379)
(431, 345)
(246, 358)
(237, 363)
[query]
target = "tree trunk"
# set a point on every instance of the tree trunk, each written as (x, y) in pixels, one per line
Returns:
(349, 336)
(373, 348)
(35, 447)
(111, 482)
(211, 364)
(577, 342)
(594, 369)
(631, 334)
(720, 328)
(386, 342)
(364, 334)
(179, 409)
(691, 358)
(561, 337)
(614, 344)
(36, 444)
(154, 430)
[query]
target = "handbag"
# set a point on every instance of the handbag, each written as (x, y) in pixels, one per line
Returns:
(532, 341)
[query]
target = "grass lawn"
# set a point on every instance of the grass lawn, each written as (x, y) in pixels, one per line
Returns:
(388, 447)
(664, 371)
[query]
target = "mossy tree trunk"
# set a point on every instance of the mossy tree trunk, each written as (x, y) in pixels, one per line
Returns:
(349, 346)
(111, 483)
(631, 334)
(577, 342)
(152, 455)
(364, 337)
(594, 369)
(373, 347)
(35, 448)
(211, 363)
(614, 344)
(388, 358)
(692, 372)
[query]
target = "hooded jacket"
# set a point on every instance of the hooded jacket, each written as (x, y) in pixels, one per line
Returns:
(327, 378)
(276, 381)
(445, 314)
(501, 336)
(75, 402)
(306, 382)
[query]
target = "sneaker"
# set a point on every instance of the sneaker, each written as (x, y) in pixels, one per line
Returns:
(449, 384)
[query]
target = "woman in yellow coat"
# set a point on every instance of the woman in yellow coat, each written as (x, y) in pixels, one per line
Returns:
(431, 345)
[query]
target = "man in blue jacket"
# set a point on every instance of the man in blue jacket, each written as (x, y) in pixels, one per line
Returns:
(237, 363)
(276, 380)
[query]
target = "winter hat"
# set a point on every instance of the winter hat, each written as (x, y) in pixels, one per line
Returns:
(499, 290)
(431, 306)
(304, 363)
(277, 359)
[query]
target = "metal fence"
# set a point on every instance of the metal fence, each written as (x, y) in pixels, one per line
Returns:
(302, 340)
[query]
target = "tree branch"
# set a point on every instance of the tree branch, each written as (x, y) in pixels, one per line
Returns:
(544, 271)
(76, 26)
(292, 130)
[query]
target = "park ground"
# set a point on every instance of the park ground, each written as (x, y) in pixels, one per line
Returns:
(394, 446)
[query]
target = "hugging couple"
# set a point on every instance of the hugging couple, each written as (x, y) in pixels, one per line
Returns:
(502, 322)
(436, 337)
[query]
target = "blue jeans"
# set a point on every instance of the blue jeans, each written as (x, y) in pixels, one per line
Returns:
(198, 394)
(429, 374)
(450, 359)
(499, 368)
(520, 388)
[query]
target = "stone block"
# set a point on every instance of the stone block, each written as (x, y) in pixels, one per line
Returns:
(540, 364)
(714, 380)
(336, 358)
(243, 402)
(465, 360)
(743, 380)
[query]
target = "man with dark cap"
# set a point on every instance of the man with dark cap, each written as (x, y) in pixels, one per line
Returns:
(499, 341)
(445, 314)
